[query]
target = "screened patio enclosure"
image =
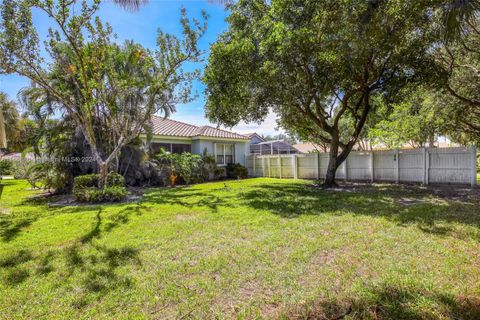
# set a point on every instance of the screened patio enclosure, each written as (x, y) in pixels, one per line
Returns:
(272, 147)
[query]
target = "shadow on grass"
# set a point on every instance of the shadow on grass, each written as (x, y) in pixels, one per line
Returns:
(403, 204)
(13, 265)
(190, 198)
(10, 228)
(16, 259)
(12, 225)
(96, 266)
(422, 208)
(390, 302)
(93, 265)
(6, 183)
(95, 232)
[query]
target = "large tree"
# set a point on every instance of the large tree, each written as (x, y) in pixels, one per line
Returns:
(458, 57)
(97, 83)
(413, 120)
(315, 63)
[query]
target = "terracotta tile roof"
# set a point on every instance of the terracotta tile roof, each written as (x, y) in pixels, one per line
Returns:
(169, 127)
(253, 134)
(174, 128)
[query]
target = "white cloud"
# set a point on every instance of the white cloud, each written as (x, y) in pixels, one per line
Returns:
(266, 127)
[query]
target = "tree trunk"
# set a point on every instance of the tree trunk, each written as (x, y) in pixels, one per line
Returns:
(332, 166)
(103, 172)
(431, 141)
(103, 165)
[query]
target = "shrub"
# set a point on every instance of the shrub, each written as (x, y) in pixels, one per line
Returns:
(236, 171)
(186, 166)
(114, 193)
(208, 167)
(17, 168)
(6, 167)
(115, 179)
(85, 188)
(219, 172)
(20, 168)
(86, 181)
(91, 194)
(44, 175)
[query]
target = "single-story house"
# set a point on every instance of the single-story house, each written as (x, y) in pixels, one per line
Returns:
(177, 137)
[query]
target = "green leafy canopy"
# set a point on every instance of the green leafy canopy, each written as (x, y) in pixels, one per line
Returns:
(315, 64)
(108, 90)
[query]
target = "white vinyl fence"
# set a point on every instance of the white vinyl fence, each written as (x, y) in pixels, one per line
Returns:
(425, 165)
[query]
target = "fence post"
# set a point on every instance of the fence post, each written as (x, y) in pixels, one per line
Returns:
(294, 162)
(280, 166)
(254, 171)
(263, 167)
(269, 167)
(427, 166)
(474, 167)
(397, 166)
(372, 173)
(424, 166)
(317, 165)
(345, 170)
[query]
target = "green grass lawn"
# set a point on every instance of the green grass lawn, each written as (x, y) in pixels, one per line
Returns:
(258, 248)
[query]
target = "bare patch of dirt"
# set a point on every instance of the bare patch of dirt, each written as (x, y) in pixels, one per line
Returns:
(409, 202)
(5, 211)
(184, 217)
(447, 192)
(321, 310)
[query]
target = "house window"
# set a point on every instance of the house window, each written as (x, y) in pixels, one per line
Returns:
(181, 148)
(224, 153)
(171, 147)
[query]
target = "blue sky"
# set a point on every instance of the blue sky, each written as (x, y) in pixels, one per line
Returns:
(141, 26)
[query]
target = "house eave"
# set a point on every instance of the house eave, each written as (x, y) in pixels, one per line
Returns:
(220, 139)
(160, 138)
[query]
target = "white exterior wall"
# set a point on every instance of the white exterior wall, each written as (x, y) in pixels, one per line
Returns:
(199, 145)
(426, 165)
(241, 152)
